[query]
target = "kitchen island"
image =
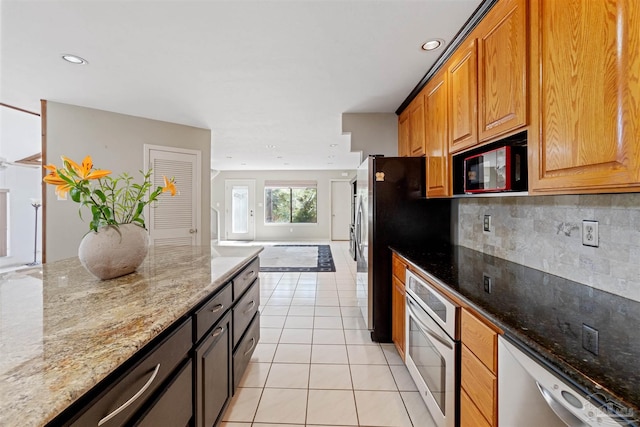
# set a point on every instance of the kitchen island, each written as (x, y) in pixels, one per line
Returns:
(62, 331)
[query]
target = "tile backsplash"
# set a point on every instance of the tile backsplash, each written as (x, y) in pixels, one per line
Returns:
(545, 232)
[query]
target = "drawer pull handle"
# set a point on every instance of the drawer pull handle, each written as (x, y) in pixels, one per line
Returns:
(251, 305)
(253, 343)
(133, 398)
(249, 274)
(216, 308)
(218, 331)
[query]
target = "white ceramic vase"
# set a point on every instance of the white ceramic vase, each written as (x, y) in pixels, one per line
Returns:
(114, 252)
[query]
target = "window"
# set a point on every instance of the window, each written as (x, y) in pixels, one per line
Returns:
(290, 202)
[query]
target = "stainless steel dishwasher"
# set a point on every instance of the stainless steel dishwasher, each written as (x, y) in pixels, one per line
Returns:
(530, 395)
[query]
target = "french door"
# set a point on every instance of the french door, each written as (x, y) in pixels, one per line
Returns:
(239, 209)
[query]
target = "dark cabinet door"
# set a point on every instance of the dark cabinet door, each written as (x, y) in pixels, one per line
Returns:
(213, 373)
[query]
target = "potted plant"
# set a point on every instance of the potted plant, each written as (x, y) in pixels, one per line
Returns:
(117, 241)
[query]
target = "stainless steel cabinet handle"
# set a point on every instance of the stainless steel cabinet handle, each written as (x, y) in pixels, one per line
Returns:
(216, 308)
(253, 343)
(217, 331)
(133, 398)
(251, 305)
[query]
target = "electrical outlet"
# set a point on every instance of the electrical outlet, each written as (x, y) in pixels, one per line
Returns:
(486, 225)
(487, 283)
(590, 339)
(590, 233)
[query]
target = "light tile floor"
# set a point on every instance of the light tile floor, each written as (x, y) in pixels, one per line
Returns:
(316, 365)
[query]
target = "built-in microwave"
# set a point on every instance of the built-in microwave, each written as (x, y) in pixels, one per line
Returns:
(500, 169)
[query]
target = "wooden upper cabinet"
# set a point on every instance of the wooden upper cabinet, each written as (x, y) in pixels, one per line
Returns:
(437, 137)
(416, 126)
(585, 81)
(462, 77)
(502, 69)
(403, 134)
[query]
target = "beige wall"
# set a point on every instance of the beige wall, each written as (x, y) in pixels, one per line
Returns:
(281, 232)
(372, 133)
(114, 141)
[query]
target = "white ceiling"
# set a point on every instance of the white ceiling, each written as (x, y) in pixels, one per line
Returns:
(256, 73)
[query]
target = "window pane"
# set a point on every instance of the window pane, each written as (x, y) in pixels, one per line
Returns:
(240, 209)
(277, 205)
(286, 205)
(304, 205)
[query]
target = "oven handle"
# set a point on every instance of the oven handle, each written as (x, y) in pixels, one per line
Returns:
(424, 327)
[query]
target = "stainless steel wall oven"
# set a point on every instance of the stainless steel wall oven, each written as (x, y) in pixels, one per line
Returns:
(433, 349)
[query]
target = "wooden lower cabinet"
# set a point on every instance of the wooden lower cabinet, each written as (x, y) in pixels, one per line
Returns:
(213, 373)
(478, 373)
(398, 315)
(480, 384)
(470, 415)
(398, 303)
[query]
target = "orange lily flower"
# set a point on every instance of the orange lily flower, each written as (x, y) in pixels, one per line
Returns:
(84, 171)
(62, 186)
(169, 186)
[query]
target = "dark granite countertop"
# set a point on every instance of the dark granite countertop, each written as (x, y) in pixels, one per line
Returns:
(545, 313)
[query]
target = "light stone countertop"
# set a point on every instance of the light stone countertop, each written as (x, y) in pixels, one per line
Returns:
(62, 330)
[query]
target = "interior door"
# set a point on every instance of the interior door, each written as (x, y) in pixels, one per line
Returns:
(174, 220)
(239, 209)
(340, 209)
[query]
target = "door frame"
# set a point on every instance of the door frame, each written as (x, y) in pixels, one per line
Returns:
(331, 181)
(252, 206)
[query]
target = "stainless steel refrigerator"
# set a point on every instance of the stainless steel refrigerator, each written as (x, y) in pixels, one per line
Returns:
(391, 210)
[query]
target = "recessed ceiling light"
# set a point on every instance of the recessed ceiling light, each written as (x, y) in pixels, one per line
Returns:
(432, 44)
(271, 146)
(74, 59)
(333, 145)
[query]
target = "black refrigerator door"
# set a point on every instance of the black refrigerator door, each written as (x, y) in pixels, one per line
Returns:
(401, 217)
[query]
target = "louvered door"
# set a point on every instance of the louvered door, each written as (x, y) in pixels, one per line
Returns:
(175, 220)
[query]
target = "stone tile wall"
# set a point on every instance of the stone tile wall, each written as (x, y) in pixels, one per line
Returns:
(545, 232)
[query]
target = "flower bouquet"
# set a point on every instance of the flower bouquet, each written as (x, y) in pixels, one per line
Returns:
(117, 241)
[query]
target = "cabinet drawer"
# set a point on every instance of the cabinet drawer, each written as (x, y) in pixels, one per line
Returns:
(212, 311)
(149, 374)
(243, 353)
(244, 311)
(245, 278)
(480, 384)
(480, 339)
(398, 267)
(174, 407)
(470, 415)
